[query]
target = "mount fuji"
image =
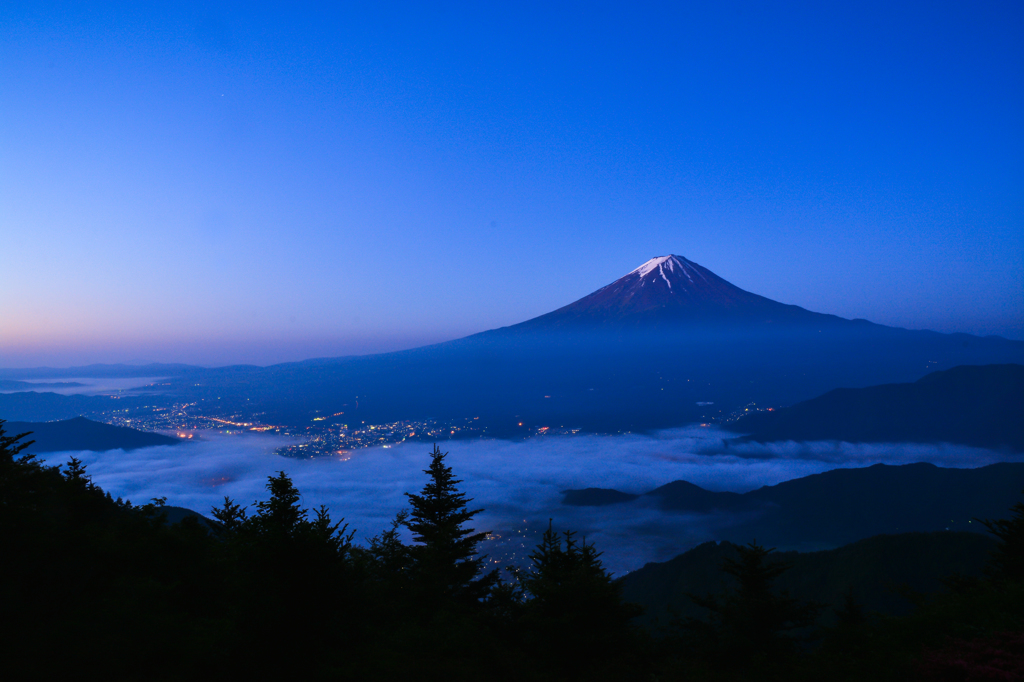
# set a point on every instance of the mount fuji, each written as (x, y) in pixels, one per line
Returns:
(671, 291)
(668, 343)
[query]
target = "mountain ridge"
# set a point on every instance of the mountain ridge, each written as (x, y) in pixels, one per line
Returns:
(867, 569)
(980, 406)
(80, 433)
(841, 505)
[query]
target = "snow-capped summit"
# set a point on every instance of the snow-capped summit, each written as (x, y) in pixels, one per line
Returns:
(668, 290)
(663, 266)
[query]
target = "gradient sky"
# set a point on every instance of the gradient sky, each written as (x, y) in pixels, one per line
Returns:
(223, 183)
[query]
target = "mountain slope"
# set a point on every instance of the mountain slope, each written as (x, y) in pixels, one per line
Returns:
(83, 434)
(870, 568)
(668, 291)
(979, 406)
(32, 406)
(843, 505)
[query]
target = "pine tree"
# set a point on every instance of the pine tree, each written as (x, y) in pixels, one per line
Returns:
(751, 625)
(10, 448)
(74, 474)
(390, 557)
(445, 561)
(280, 515)
(21, 478)
(548, 570)
(1007, 559)
(280, 525)
(574, 612)
(231, 517)
(294, 578)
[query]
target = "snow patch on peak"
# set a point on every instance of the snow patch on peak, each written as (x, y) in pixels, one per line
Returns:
(648, 267)
(662, 263)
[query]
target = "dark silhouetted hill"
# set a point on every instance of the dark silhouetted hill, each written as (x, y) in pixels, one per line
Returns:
(685, 496)
(31, 406)
(981, 406)
(83, 434)
(179, 514)
(874, 569)
(844, 505)
(595, 497)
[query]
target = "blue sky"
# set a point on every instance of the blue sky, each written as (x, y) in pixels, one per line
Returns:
(217, 183)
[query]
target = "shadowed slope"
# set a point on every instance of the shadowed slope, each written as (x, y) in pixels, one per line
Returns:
(842, 505)
(978, 406)
(84, 434)
(870, 568)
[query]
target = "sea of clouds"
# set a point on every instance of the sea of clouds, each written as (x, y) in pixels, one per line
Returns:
(518, 484)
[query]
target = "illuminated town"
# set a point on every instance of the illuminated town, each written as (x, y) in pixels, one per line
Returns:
(187, 421)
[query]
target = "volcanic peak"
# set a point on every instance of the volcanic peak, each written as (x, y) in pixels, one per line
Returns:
(680, 292)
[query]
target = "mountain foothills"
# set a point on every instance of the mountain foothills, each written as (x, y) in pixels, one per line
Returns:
(978, 406)
(668, 343)
(33, 406)
(838, 506)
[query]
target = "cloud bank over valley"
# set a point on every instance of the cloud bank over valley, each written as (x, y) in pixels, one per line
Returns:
(518, 483)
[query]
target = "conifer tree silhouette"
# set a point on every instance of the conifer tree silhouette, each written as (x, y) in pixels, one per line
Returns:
(446, 564)
(231, 517)
(1007, 559)
(574, 615)
(750, 625)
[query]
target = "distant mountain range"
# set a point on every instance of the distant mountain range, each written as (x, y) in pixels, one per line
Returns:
(32, 406)
(839, 506)
(873, 570)
(98, 370)
(979, 406)
(668, 343)
(82, 434)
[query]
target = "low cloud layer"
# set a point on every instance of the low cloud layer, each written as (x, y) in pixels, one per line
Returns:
(519, 484)
(85, 385)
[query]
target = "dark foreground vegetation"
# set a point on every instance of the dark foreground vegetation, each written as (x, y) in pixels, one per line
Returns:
(91, 586)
